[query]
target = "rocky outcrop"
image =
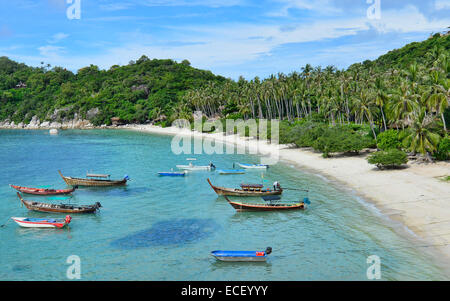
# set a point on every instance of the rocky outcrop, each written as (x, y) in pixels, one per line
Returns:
(92, 113)
(35, 124)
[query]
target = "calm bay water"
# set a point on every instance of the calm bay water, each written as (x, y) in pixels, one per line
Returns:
(163, 228)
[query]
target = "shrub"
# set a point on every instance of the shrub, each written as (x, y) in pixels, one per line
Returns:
(339, 139)
(306, 134)
(388, 159)
(389, 140)
(443, 151)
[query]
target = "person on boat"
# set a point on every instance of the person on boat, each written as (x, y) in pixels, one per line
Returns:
(276, 185)
(212, 165)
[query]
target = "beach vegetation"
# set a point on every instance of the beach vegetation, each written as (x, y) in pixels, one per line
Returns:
(392, 158)
(389, 140)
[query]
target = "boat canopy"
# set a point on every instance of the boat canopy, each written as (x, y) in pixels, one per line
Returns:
(243, 185)
(93, 175)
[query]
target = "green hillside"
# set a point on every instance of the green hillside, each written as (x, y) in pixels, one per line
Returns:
(140, 91)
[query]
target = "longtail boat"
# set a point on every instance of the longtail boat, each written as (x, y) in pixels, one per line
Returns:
(231, 171)
(193, 167)
(246, 190)
(64, 208)
(253, 166)
(242, 255)
(172, 173)
(271, 206)
(96, 180)
(43, 191)
(28, 222)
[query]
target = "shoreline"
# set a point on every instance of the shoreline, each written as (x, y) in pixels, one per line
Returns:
(413, 197)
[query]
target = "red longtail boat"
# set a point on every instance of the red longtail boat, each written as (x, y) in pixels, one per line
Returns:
(43, 191)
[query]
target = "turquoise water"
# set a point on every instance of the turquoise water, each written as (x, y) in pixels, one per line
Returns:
(164, 228)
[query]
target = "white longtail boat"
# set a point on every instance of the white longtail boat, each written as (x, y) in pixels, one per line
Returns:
(253, 166)
(28, 222)
(196, 167)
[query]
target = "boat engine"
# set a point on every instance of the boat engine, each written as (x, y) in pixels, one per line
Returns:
(268, 250)
(68, 219)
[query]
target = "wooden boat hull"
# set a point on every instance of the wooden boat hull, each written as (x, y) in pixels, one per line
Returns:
(92, 182)
(42, 191)
(60, 208)
(265, 207)
(240, 192)
(251, 256)
(26, 223)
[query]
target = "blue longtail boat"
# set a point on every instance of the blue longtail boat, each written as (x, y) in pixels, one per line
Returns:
(231, 171)
(242, 255)
(172, 173)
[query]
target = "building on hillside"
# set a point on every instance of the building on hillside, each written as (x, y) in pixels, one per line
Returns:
(21, 85)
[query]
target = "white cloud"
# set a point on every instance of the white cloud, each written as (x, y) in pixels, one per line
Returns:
(318, 6)
(226, 45)
(50, 51)
(58, 37)
(442, 4)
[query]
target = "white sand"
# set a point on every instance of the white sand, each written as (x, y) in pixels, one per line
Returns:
(414, 196)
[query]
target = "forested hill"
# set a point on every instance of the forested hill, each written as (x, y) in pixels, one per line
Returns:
(140, 91)
(419, 52)
(163, 90)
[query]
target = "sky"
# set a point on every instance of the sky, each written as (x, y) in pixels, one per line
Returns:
(229, 37)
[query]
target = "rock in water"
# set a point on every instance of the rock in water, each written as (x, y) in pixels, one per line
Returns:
(174, 232)
(53, 132)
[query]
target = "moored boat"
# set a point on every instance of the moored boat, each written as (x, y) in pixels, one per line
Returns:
(247, 190)
(43, 191)
(193, 167)
(95, 180)
(253, 166)
(270, 206)
(172, 173)
(28, 222)
(63, 208)
(257, 256)
(231, 171)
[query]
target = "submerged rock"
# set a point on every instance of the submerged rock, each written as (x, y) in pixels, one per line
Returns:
(170, 232)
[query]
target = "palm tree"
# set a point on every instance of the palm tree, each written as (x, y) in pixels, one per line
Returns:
(421, 137)
(364, 106)
(439, 95)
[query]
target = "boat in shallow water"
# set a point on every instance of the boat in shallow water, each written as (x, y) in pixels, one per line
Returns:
(253, 166)
(256, 256)
(246, 190)
(231, 171)
(193, 167)
(172, 173)
(95, 180)
(63, 208)
(270, 206)
(28, 222)
(43, 191)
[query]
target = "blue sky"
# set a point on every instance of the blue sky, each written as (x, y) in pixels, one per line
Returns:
(228, 37)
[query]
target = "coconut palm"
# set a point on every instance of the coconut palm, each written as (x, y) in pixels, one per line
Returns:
(420, 137)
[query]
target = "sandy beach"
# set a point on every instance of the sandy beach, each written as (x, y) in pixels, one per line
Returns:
(415, 196)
